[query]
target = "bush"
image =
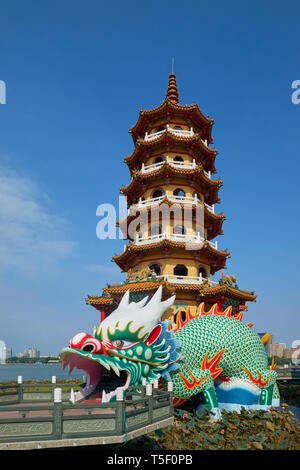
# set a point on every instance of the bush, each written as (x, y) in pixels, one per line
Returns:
(256, 430)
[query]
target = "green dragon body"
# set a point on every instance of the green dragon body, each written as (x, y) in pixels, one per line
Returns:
(212, 355)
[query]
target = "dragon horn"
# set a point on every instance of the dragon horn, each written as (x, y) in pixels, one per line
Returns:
(156, 297)
(142, 302)
(125, 300)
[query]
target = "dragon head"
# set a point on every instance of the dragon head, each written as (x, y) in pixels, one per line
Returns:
(131, 343)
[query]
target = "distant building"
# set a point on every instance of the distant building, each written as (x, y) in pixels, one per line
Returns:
(2, 352)
(288, 352)
(8, 353)
(277, 349)
(5, 353)
(31, 352)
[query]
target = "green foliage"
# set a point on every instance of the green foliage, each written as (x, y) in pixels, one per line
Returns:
(249, 430)
(30, 360)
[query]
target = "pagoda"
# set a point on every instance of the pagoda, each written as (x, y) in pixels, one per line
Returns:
(172, 167)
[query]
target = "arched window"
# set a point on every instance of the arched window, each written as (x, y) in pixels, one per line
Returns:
(159, 159)
(157, 193)
(179, 192)
(156, 267)
(179, 229)
(155, 229)
(178, 159)
(160, 128)
(177, 128)
(202, 272)
(180, 270)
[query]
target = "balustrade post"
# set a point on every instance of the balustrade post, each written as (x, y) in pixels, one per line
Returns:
(194, 163)
(150, 401)
(170, 391)
(195, 199)
(143, 167)
(53, 384)
(20, 388)
(57, 414)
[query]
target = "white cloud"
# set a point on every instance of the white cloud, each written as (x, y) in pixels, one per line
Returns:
(30, 236)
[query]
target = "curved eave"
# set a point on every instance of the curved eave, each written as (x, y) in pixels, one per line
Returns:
(191, 111)
(214, 220)
(98, 301)
(165, 245)
(233, 292)
(170, 288)
(168, 169)
(195, 142)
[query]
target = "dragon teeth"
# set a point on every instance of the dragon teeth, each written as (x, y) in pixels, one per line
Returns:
(115, 369)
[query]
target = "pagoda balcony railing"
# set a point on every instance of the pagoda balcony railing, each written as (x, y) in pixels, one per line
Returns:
(177, 237)
(172, 198)
(172, 278)
(180, 132)
(177, 164)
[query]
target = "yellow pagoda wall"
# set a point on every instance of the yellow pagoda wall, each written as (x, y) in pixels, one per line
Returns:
(176, 150)
(169, 263)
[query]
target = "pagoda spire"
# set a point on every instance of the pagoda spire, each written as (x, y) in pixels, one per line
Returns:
(172, 92)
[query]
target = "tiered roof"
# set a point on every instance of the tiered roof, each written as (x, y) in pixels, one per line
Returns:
(170, 108)
(166, 170)
(166, 245)
(214, 220)
(193, 143)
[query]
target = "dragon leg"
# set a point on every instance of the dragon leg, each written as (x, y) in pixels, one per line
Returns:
(276, 396)
(265, 380)
(201, 380)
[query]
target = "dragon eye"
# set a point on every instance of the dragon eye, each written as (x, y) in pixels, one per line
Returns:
(120, 343)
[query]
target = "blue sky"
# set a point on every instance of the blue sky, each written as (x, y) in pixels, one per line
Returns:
(77, 74)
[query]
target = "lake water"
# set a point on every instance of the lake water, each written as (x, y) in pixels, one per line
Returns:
(9, 372)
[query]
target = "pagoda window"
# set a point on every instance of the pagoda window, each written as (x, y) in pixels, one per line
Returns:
(179, 229)
(157, 193)
(179, 192)
(156, 267)
(180, 270)
(202, 272)
(159, 159)
(160, 128)
(155, 229)
(178, 159)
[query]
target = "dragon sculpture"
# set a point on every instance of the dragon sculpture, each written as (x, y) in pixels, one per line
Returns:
(212, 354)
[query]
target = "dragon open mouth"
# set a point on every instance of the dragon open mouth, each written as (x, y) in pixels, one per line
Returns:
(103, 377)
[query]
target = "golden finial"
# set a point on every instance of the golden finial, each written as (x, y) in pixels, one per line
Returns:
(172, 92)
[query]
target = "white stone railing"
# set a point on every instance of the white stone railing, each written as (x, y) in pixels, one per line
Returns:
(185, 279)
(177, 237)
(172, 198)
(178, 164)
(180, 132)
